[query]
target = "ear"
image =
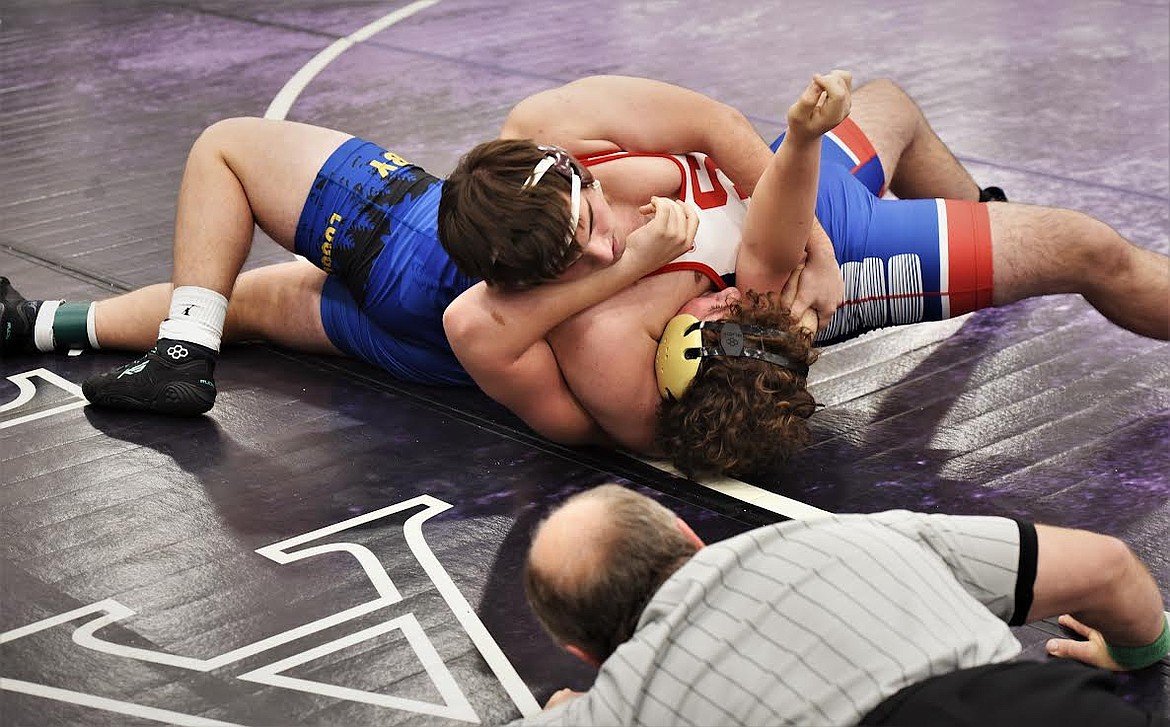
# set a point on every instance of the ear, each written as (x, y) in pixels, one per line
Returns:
(583, 655)
(690, 534)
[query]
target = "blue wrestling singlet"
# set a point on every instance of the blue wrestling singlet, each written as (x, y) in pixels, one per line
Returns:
(903, 261)
(371, 222)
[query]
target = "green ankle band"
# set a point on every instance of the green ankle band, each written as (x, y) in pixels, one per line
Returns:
(1137, 657)
(70, 325)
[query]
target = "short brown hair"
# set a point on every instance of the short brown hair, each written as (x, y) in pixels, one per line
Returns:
(495, 228)
(641, 546)
(741, 415)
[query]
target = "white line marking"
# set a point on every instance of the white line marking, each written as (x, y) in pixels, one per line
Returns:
(27, 391)
(739, 490)
(110, 705)
(284, 100)
(110, 611)
(455, 704)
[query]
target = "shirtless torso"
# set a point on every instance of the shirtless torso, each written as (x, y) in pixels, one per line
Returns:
(615, 382)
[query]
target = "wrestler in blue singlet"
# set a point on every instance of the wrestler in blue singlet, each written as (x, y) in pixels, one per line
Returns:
(903, 261)
(371, 221)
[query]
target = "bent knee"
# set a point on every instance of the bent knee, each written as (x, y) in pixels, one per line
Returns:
(883, 88)
(225, 133)
(1092, 248)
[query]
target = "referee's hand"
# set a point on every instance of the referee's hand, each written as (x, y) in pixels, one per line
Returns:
(1094, 651)
(560, 696)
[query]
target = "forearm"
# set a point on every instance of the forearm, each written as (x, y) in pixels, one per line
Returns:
(502, 325)
(1132, 612)
(783, 209)
(1098, 580)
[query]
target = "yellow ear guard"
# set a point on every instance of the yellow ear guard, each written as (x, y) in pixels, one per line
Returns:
(674, 370)
(681, 351)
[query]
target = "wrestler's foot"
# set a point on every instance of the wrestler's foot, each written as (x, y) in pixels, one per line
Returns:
(17, 319)
(992, 194)
(174, 377)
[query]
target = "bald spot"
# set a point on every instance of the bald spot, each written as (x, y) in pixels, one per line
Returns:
(571, 543)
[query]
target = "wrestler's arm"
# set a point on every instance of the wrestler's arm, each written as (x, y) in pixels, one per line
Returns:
(530, 384)
(499, 336)
(605, 113)
(781, 221)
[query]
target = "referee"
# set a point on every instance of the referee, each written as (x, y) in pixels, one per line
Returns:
(895, 618)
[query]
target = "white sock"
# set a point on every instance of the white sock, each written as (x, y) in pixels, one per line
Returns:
(196, 315)
(43, 326)
(91, 327)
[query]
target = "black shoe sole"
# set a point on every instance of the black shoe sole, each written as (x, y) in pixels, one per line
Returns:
(176, 399)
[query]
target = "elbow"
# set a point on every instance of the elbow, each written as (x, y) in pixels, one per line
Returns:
(460, 326)
(1121, 566)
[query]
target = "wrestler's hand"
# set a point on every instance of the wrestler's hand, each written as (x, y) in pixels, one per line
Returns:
(669, 233)
(824, 104)
(807, 318)
(561, 696)
(821, 287)
(1094, 652)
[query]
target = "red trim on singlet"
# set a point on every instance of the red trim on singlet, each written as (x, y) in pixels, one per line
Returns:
(850, 133)
(705, 270)
(608, 156)
(853, 137)
(969, 235)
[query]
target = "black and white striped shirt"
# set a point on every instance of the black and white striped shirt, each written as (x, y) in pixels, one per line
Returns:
(816, 622)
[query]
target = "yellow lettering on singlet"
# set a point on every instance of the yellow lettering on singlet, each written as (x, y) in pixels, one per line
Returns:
(327, 246)
(392, 164)
(392, 157)
(327, 254)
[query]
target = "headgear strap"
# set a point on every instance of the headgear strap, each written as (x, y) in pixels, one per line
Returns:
(681, 350)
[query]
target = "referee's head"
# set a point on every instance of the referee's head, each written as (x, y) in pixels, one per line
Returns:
(596, 561)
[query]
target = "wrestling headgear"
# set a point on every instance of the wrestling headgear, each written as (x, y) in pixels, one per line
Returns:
(562, 163)
(681, 350)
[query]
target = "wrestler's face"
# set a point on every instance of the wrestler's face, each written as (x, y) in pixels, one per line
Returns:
(597, 234)
(711, 306)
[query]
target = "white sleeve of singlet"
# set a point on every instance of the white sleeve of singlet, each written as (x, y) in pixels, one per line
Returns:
(994, 558)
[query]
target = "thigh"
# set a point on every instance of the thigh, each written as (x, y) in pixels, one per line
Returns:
(277, 163)
(888, 118)
(912, 261)
(408, 354)
(280, 304)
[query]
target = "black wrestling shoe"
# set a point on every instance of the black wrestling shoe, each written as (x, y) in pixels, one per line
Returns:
(992, 194)
(174, 377)
(17, 318)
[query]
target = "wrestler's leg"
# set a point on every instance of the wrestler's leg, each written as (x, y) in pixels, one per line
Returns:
(1041, 251)
(279, 304)
(242, 172)
(917, 164)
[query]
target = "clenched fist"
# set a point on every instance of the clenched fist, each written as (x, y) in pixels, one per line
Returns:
(824, 104)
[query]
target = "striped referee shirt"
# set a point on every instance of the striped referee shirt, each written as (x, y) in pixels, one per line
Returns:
(816, 622)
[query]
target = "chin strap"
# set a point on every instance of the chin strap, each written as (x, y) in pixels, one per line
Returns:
(681, 350)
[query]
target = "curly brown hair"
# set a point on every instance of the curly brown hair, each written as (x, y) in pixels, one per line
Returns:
(496, 229)
(742, 414)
